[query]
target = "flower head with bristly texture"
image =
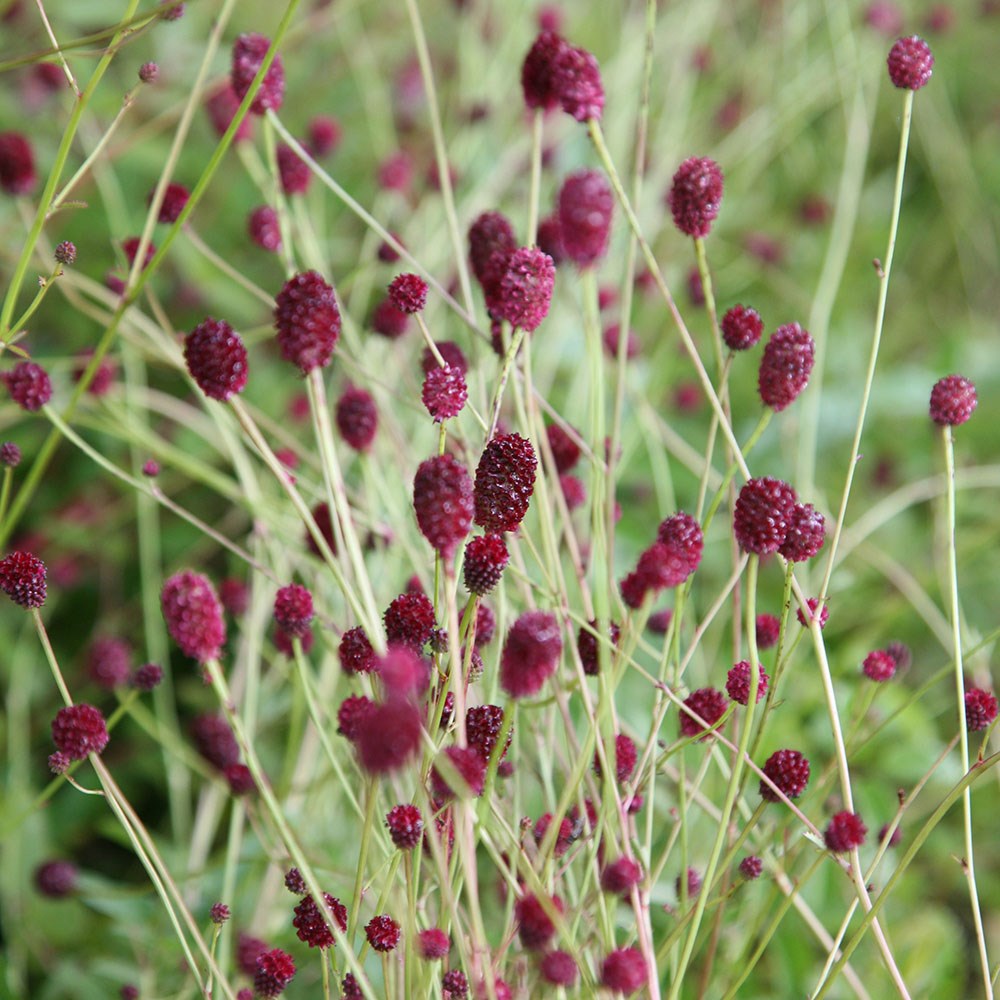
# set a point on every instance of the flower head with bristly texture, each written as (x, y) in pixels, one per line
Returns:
(193, 615)
(530, 654)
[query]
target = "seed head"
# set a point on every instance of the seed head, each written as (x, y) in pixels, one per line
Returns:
(443, 503)
(275, 970)
(175, 197)
(471, 770)
(65, 253)
(741, 328)
(538, 69)
(216, 358)
(293, 609)
(356, 653)
(953, 399)
(682, 536)
(108, 663)
(489, 233)
(357, 418)
(408, 293)
(535, 926)
(789, 770)
(806, 533)
(388, 736)
(444, 392)
(311, 928)
(147, 677)
(78, 730)
(482, 730)
(193, 615)
(530, 654)
(785, 366)
(486, 557)
(455, 984)
(565, 450)
(409, 620)
(17, 164)
(324, 135)
(586, 644)
(910, 63)
(382, 933)
(695, 195)
(433, 943)
(980, 709)
(751, 867)
(620, 876)
(559, 968)
(707, 702)
(524, 290)
(505, 480)
(586, 204)
(22, 578)
(768, 630)
(10, 455)
(576, 79)
(879, 666)
(307, 319)
(29, 385)
(844, 832)
(813, 604)
(406, 826)
(248, 54)
(264, 228)
(624, 971)
(215, 741)
(738, 683)
(760, 519)
(293, 172)
(350, 715)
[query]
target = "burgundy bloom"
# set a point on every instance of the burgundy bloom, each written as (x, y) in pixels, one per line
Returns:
(980, 709)
(806, 533)
(214, 740)
(130, 248)
(357, 418)
(293, 609)
(103, 377)
(693, 884)
(17, 164)
(535, 927)
(471, 768)
(624, 971)
(219, 913)
(175, 197)
(108, 661)
(324, 135)
(565, 450)
(751, 867)
(388, 321)
(505, 480)
(433, 943)
(706, 702)
(760, 519)
(29, 385)
(293, 171)
(388, 736)
(537, 71)
(695, 195)
(307, 319)
(879, 666)
(768, 629)
(408, 293)
(65, 253)
(356, 653)
(586, 203)
(443, 502)
(406, 826)
(409, 620)
(309, 924)
(489, 233)
(953, 399)
(147, 677)
(221, 107)
(275, 970)
(785, 366)
(295, 883)
(844, 832)
(56, 879)
(264, 228)
(789, 770)
(682, 536)
(525, 287)
(910, 63)
(741, 328)
(483, 725)
(530, 654)
(444, 392)
(620, 876)
(248, 54)
(549, 238)
(626, 758)
(382, 933)
(193, 615)
(738, 682)
(450, 351)
(455, 984)
(22, 579)
(402, 672)
(239, 778)
(352, 712)
(813, 603)
(559, 968)
(78, 730)
(486, 557)
(586, 644)
(576, 79)
(216, 358)
(248, 950)
(235, 596)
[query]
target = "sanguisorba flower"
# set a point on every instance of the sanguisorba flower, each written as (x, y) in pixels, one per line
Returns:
(910, 63)
(505, 481)
(695, 195)
(193, 615)
(307, 318)
(22, 579)
(249, 51)
(216, 358)
(443, 502)
(586, 203)
(530, 654)
(785, 366)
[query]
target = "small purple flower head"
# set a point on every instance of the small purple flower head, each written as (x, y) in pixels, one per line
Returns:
(760, 518)
(534, 925)
(530, 654)
(148, 72)
(559, 968)
(293, 171)
(219, 913)
(505, 481)
(620, 876)
(406, 826)
(408, 293)
(357, 656)
(357, 418)
(910, 63)
(768, 628)
(216, 358)
(17, 164)
(464, 776)
(823, 613)
(147, 677)
(175, 197)
(844, 832)
(221, 107)
(789, 770)
(537, 71)
(433, 944)
(22, 579)
(324, 135)
(382, 933)
(444, 392)
(695, 195)
(741, 328)
(953, 399)
(388, 736)
(751, 867)
(490, 233)
(193, 615)
(264, 229)
(56, 879)
(293, 609)
(108, 662)
(29, 385)
(275, 970)
(409, 619)
(785, 366)
(525, 288)
(585, 204)
(65, 253)
(486, 557)
(708, 703)
(78, 730)
(624, 971)
(738, 682)
(308, 322)
(248, 54)
(805, 535)
(442, 501)
(879, 666)
(980, 709)
(576, 79)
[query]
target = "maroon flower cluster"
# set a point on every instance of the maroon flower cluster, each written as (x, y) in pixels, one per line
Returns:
(406, 826)
(293, 610)
(879, 665)
(443, 503)
(356, 418)
(22, 579)
(193, 615)
(505, 480)
(844, 832)
(530, 654)
(216, 358)
(535, 927)
(29, 385)
(707, 702)
(78, 730)
(980, 709)
(789, 771)
(307, 319)
(761, 515)
(486, 557)
(786, 365)
(953, 399)
(408, 293)
(910, 63)
(382, 933)
(483, 725)
(355, 651)
(309, 924)
(275, 970)
(738, 682)
(17, 164)
(695, 196)
(741, 328)
(248, 54)
(444, 392)
(585, 207)
(557, 73)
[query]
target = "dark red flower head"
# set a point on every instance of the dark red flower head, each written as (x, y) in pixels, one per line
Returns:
(307, 319)
(620, 876)
(408, 293)
(463, 775)
(682, 536)
(56, 879)
(382, 933)
(293, 171)
(175, 197)
(356, 653)
(29, 385)
(293, 609)
(710, 704)
(486, 557)
(248, 54)
(823, 613)
(530, 654)
(483, 725)
(524, 289)
(624, 971)
(357, 418)
(275, 970)
(768, 629)
(409, 620)
(78, 730)
(879, 665)
(350, 715)
(324, 135)
(489, 233)
(565, 450)
(586, 645)
(844, 832)
(785, 366)
(216, 358)
(751, 867)
(433, 944)
(388, 736)
(910, 63)
(806, 533)
(17, 164)
(953, 399)
(738, 682)
(264, 228)
(535, 927)
(22, 578)
(214, 740)
(108, 661)
(586, 203)
(559, 968)
(789, 770)
(576, 79)
(980, 709)
(221, 107)
(537, 71)
(443, 502)
(760, 518)
(741, 328)
(505, 480)
(695, 195)
(310, 925)
(193, 615)
(444, 392)
(406, 826)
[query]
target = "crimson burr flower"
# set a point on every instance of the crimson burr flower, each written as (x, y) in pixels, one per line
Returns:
(693, 880)
(565, 450)
(408, 293)
(295, 883)
(813, 603)
(443, 502)
(248, 950)
(490, 233)
(78, 730)
(406, 826)
(450, 351)
(175, 197)
(706, 702)
(537, 71)
(215, 741)
(216, 358)
(751, 867)
(471, 768)
(357, 418)
(844, 832)
(382, 932)
(275, 970)
(221, 107)
(17, 164)
(65, 253)
(695, 195)
(535, 927)
(402, 672)
(768, 628)
(350, 715)
(293, 172)
(22, 579)
(455, 984)
(524, 290)
(760, 518)
(586, 203)
(626, 758)
(29, 385)
(483, 725)
(505, 480)
(910, 63)
(357, 656)
(953, 399)
(559, 968)
(324, 135)
(264, 228)
(310, 925)
(682, 536)
(980, 709)
(785, 366)
(586, 645)
(620, 876)
(307, 319)
(789, 770)
(56, 879)
(388, 736)
(805, 535)
(293, 609)
(576, 78)
(738, 682)
(147, 677)
(433, 943)
(530, 654)
(409, 619)
(624, 971)
(108, 661)
(444, 392)
(486, 557)
(388, 321)
(879, 665)
(249, 51)
(193, 615)
(741, 328)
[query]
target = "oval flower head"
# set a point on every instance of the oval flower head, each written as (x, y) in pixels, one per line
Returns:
(193, 615)
(530, 654)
